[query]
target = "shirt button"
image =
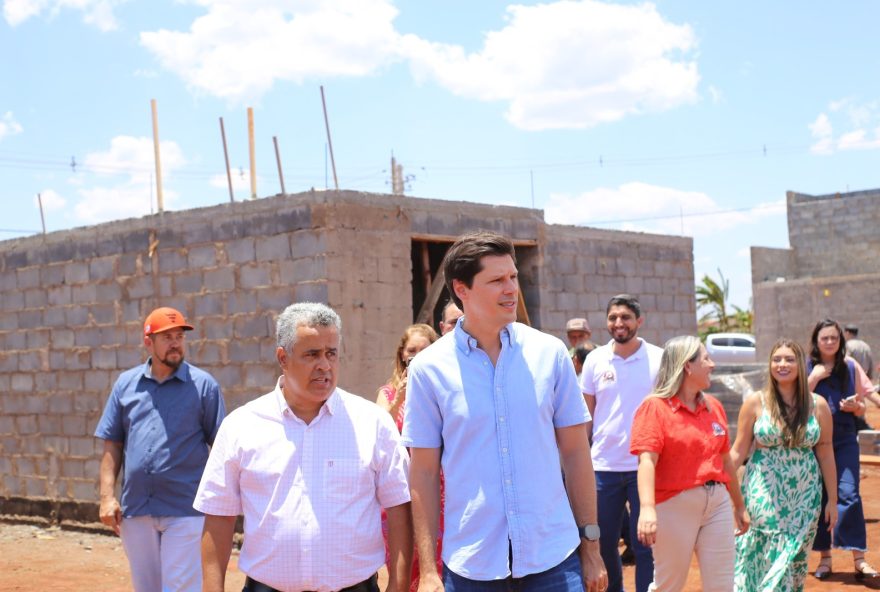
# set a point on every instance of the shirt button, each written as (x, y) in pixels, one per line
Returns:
(507, 481)
(504, 450)
(501, 419)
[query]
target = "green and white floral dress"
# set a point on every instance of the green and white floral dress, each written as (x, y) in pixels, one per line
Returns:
(783, 493)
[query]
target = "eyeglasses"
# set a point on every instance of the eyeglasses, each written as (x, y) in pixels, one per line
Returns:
(829, 339)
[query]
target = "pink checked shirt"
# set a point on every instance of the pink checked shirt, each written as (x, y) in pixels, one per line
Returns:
(310, 494)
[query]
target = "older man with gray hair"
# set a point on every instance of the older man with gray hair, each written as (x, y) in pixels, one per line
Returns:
(310, 466)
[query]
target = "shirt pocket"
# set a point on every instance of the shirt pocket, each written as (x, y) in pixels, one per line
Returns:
(342, 478)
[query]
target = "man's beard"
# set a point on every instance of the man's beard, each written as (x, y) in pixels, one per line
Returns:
(625, 338)
(174, 365)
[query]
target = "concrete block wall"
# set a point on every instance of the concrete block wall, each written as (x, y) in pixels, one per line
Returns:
(72, 303)
(831, 269)
(835, 234)
(72, 306)
(584, 267)
(770, 265)
(792, 308)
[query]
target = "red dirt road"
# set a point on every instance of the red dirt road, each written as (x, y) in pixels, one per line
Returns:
(55, 560)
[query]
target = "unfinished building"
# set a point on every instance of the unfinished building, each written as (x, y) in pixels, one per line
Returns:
(831, 269)
(72, 303)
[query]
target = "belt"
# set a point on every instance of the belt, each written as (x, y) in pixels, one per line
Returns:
(369, 585)
(712, 483)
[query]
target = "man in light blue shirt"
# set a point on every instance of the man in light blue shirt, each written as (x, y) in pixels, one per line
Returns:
(496, 404)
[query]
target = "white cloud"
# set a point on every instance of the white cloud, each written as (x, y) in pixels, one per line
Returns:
(98, 13)
(861, 122)
(643, 207)
(9, 126)
(119, 182)
(715, 94)
(52, 200)
(240, 48)
(570, 64)
(565, 64)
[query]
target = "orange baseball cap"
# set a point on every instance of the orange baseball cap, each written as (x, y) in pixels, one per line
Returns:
(163, 319)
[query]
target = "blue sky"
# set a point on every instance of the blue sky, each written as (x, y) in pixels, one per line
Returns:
(671, 117)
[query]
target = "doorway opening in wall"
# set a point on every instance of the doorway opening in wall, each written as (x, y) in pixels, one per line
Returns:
(429, 293)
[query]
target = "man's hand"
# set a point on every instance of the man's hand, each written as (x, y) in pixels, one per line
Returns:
(430, 583)
(110, 513)
(593, 568)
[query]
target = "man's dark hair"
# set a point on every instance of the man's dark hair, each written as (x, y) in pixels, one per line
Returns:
(854, 329)
(463, 260)
(627, 300)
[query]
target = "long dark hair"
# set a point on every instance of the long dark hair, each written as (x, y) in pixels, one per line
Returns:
(793, 425)
(840, 370)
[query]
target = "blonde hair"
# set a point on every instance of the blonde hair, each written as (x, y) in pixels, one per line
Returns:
(677, 352)
(422, 329)
(793, 426)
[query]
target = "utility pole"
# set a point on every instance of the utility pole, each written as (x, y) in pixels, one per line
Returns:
(397, 180)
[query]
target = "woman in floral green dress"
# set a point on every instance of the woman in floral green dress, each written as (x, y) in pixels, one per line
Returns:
(791, 430)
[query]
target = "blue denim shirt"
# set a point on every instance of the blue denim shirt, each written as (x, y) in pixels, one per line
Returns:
(496, 427)
(166, 430)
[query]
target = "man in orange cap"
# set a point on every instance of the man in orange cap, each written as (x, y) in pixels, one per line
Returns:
(161, 418)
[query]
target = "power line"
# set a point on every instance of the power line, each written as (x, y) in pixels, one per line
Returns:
(682, 215)
(604, 161)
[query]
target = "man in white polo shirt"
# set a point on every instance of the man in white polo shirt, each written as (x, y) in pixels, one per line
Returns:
(616, 378)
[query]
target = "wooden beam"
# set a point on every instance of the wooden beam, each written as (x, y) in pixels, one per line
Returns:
(427, 310)
(426, 266)
(522, 315)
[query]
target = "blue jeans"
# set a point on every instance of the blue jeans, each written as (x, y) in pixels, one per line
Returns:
(613, 490)
(565, 577)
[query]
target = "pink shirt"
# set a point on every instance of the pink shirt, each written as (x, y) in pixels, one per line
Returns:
(311, 494)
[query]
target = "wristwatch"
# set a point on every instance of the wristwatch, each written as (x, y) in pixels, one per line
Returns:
(589, 532)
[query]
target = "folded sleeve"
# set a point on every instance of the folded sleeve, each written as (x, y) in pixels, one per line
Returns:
(422, 421)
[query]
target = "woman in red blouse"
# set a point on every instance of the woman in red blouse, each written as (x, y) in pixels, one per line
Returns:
(686, 478)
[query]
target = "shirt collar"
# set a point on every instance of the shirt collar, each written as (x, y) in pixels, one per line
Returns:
(467, 344)
(180, 374)
(636, 355)
(675, 404)
(331, 405)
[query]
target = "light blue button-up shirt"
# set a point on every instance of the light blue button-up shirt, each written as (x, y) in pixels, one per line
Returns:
(496, 427)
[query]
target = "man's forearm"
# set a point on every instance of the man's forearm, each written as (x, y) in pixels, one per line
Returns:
(425, 490)
(400, 546)
(111, 461)
(580, 483)
(216, 549)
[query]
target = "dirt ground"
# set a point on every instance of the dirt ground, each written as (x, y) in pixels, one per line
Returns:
(34, 557)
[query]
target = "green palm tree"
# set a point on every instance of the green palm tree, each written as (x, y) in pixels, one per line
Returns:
(713, 295)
